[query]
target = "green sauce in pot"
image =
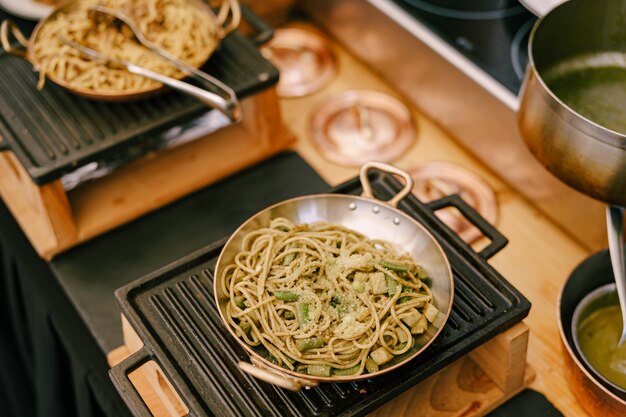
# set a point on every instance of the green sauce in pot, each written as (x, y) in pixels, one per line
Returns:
(598, 335)
(597, 93)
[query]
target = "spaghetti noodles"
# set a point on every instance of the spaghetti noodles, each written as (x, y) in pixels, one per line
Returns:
(180, 27)
(324, 300)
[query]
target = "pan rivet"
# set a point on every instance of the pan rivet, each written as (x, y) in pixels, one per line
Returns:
(375, 209)
(352, 206)
(396, 220)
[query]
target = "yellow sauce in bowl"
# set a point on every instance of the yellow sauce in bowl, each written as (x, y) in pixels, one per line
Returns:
(598, 335)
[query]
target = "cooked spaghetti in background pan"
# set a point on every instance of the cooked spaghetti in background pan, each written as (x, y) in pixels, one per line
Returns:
(178, 26)
(323, 300)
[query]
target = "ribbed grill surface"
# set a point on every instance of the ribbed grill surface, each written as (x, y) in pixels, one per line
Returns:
(176, 309)
(53, 131)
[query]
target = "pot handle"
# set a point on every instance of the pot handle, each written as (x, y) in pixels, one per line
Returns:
(390, 169)
(8, 28)
(263, 372)
(498, 241)
(228, 17)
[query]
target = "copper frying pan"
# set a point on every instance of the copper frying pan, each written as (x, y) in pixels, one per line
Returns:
(375, 219)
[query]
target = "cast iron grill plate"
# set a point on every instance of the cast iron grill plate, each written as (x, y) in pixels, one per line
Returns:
(52, 131)
(174, 313)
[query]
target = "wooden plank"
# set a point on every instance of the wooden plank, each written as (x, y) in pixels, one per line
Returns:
(500, 358)
(44, 212)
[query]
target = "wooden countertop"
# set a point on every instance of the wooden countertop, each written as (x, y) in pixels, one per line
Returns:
(539, 257)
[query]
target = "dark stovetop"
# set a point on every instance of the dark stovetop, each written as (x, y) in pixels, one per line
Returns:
(494, 37)
(53, 132)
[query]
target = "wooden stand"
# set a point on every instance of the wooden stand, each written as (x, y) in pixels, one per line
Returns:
(55, 220)
(470, 387)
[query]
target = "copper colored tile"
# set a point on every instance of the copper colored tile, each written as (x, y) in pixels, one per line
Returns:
(357, 126)
(305, 60)
(438, 179)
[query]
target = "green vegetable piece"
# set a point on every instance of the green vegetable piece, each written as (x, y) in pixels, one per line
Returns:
(302, 313)
(286, 295)
(428, 281)
(289, 315)
(393, 266)
(267, 355)
(402, 300)
(319, 370)
(245, 326)
(371, 366)
(288, 259)
(346, 372)
(392, 285)
(239, 299)
(358, 286)
(381, 356)
(335, 300)
(310, 343)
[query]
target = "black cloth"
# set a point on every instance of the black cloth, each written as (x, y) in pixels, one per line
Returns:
(527, 403)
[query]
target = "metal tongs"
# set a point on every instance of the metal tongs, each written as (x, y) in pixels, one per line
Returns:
(226, 101)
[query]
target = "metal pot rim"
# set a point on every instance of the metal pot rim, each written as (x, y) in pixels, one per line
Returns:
(589, 127)
(572, 354)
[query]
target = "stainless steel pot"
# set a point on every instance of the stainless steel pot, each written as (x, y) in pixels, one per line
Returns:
(375, 219)
(585, 155)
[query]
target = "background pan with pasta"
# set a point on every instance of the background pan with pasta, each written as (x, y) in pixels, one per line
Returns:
(191, 32)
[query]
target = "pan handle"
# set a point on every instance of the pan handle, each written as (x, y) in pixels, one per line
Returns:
(263, 372)
(390, 169)
(8, 28)
(119, 376)
(264, 32)
(498, 241)
(4, 145)
(228, 17)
